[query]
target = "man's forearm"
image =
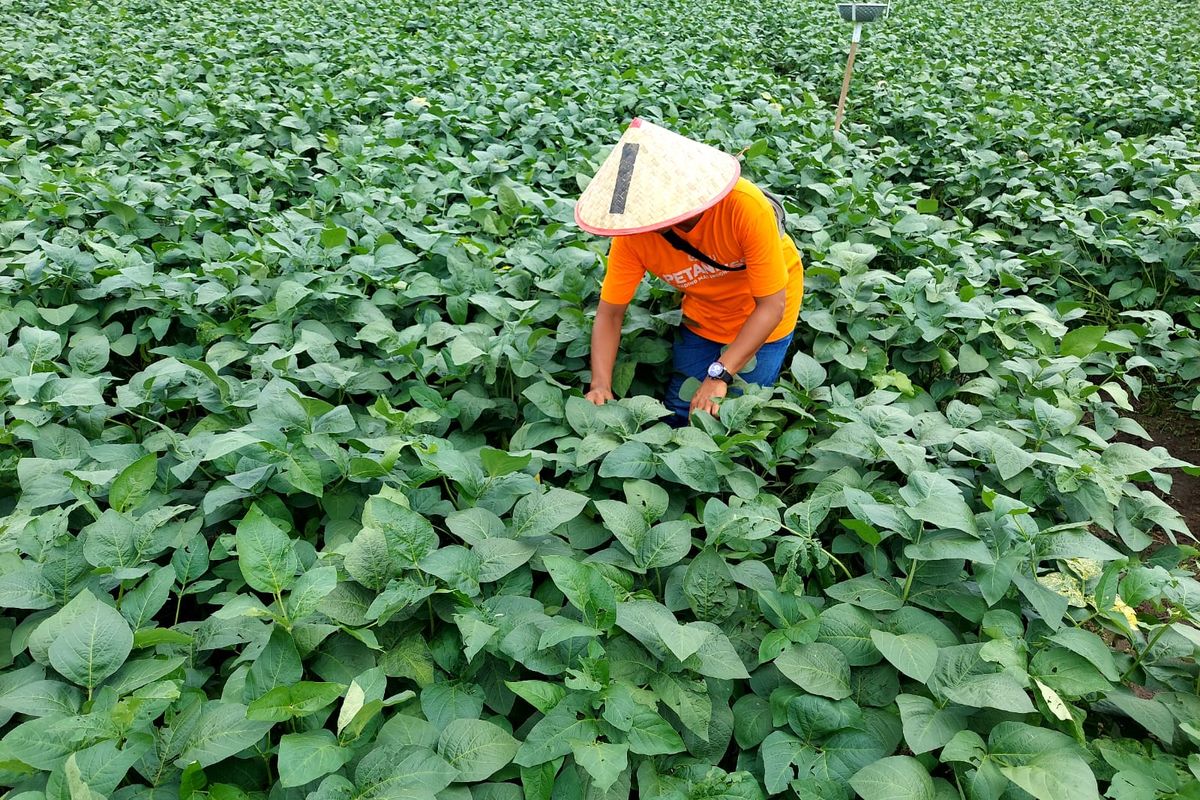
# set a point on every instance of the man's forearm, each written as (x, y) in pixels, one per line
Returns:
(758, 326)
(606, 337)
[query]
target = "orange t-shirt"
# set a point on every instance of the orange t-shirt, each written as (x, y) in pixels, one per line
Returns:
(738, 230)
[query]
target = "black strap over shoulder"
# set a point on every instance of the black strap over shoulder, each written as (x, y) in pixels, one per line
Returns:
(682, 245)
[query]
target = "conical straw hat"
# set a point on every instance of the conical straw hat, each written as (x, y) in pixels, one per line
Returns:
(654, 178)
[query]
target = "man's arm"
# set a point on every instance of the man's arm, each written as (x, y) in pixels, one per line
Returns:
(606, 337)
(766, 316)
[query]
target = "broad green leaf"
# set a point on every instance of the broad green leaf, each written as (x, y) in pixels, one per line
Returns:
(304, 757)
(92, 646)
(629, 460)
(266, 556)
(928, 726)
(894, 778)
(693, 468)
(476, 748)
(442, 703)
(817, 668)
(585, 588)
(498, 462)
(309, 590)
(134, 483)
(603, 761)
(1083, 340)
(553, 735)
(223, 730)
(808, 372)
(402, 773)
(499, 557)
(911, 653)
(651, 735)
(295, 700)
(1045, 763)
(540, 514)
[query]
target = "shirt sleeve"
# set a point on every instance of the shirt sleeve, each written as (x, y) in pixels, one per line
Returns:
(762, 246)
(623, 274)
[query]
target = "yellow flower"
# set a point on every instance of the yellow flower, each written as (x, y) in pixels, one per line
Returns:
(1129, 614)
(419, 101)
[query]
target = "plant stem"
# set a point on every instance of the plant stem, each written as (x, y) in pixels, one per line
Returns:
(1158, 634)
(912, 572)
(837, 561)
(287, 623)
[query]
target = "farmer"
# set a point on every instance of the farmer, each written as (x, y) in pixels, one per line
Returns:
(678, 209)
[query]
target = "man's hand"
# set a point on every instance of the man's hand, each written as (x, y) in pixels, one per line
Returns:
(705, 397)
(599, 396)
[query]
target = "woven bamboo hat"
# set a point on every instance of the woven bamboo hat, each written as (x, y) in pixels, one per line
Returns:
(654, 178)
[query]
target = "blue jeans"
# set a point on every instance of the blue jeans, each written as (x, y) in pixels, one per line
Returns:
(692, 354)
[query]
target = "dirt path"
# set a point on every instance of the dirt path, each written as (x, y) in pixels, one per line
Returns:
(1180, 434)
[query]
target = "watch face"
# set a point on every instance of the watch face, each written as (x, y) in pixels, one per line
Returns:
(715, 369)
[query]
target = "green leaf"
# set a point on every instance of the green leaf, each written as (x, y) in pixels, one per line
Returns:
(911, 653)
(476, 748)
(309, 590)
(410, 658)
(39, 345)
(499, 557)
(603, 761)
(1082, 341)
(266, 556)
(894, 778)
(1091, 647)
(585, 588)
(817, 668)
(1068, 672)
(116, 540)
(223, 730)
(92, 646)
(963, 676)
(295, 700)
(402, 773)
(332, 236)
(304, 757)
(540, 514)
(693, 468)
(629, 460)
(134, 483)
(651, 735)
(442, 703)
(1150, 714)
(553, 735)
(709, 588)
(928, 726)
(751, 721)
(141, 604)
(1045, 763)
(498, 462)
(807, 371)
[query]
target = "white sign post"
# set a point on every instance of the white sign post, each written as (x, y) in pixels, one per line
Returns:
(858, 13)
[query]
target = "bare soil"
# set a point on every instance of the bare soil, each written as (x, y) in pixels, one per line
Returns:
(1180, 434)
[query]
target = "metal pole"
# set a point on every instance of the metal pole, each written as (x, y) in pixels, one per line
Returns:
(841, 106)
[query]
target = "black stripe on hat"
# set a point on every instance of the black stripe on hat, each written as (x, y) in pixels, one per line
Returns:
(629, 153)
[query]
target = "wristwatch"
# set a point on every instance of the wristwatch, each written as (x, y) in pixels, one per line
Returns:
(717, 371)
